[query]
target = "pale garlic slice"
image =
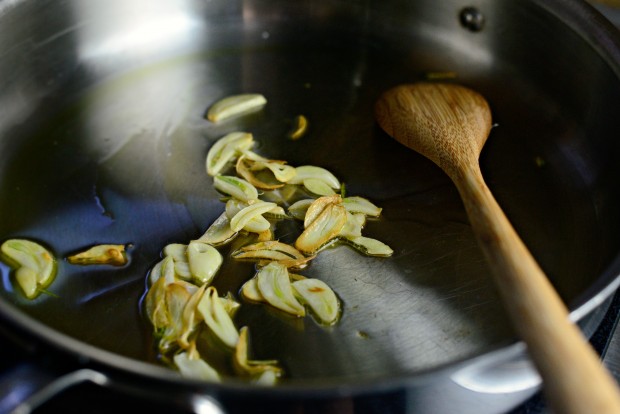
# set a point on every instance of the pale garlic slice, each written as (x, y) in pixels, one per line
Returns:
(318, 187)
(217, 318)
(370, 246)
(178, 253)
(204, 261)
(305, 172)
(226, 149)
(252, 212)
(219, 232)
(298, 209)
(35, 265)
(190, 365)
(235, 105)
(320, 298)
(274, 286)
(165, 269)
(322, 230)
(235, 187)
(358, 204)
(354, 225)
(246, 367)
(112, 254)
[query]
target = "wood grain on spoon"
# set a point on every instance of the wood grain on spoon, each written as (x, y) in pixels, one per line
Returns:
(449, 124)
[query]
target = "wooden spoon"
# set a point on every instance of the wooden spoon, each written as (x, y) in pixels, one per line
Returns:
(449, 124)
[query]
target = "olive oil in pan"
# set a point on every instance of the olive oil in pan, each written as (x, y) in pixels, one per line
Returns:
(123, 162)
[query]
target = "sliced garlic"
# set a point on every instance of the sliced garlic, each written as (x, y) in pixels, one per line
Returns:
(252, 368)
(35, 265)
(217, 319)
(257, 178)
(318, 206)
(230, 304)
(204, 261)
(112, 254)
(226, 149)
(298, 209)
(165, 269)
(191, 318)
(318, 186)
(254, 167)
(300, 126)
(249, 213)
(195, 368)
(275, 287)
(312, 172)
(354, 225)
(176, 297)
(272, 250)
(250, 291)
(320, 297)
(369, 246)
(219, 232)
(235, 105)
(178, 253)
(322, 230)
(235, 187)
(361, 205)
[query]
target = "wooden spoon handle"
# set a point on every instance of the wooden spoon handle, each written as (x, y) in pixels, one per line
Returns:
(574, 378)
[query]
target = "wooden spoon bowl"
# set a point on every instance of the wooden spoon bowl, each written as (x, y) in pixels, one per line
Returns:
(449, 124)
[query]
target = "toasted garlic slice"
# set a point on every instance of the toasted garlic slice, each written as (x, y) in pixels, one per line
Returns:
(317, 207)
(274, 285)
(245, 169)
(369, 246)
(191, 318)
(235, 105)
(216, 318)
(155, 305)
(204, 261)
(272, 250)
(322, 230)
(35, 265)
(320, 297)
(219, 232)
(177, 296)
(298, 209)
(250, 291)
(361, 205)
(253, 211)
(194, 367)
(226, 149)
(252, 368)
(300, 126)
(312, 172)
(262, 172)
(112, 254)
(235, 187)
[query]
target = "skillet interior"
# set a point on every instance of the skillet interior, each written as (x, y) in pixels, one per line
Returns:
(105, 143)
